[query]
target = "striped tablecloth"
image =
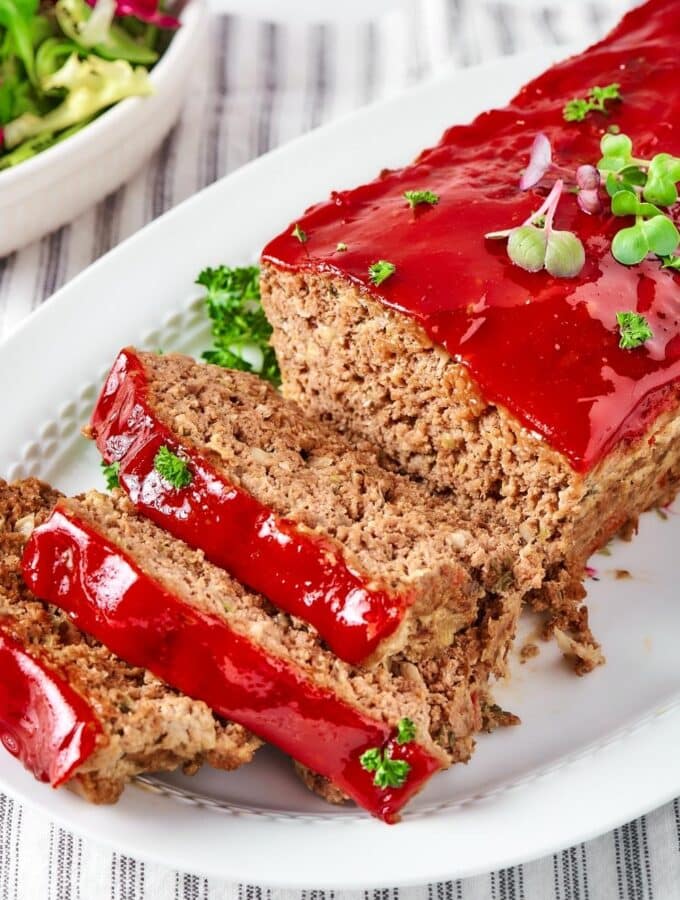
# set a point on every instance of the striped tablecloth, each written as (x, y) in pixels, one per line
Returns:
(262, 84)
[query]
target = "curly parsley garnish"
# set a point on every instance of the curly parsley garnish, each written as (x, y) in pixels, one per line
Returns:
(417, 198)
(577, 109)
(110, 473)
(406, 731)
(298, 233)
(172, 468)
(380, 271)
(389, 773)
(634, 330)
(240, 329)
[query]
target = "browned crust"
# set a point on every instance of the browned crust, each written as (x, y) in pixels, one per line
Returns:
(495, 716)
(320, 786)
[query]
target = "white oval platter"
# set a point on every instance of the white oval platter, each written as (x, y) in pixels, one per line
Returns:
(591, 753)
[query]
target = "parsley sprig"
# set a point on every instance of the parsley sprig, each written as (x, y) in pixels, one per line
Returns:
(388, 772)
(380, 271)
(298, 233)
(110, 472)
(172, 468)
(406, 731)
(634, 330)
(420, 198)
(577, 109)
(240, 329)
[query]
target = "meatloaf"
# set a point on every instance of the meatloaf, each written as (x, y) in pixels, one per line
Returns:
(377, 734)
(407, 327)
(370, 559)
(72, 711)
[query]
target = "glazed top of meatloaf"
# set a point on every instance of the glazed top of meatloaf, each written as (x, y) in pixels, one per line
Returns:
(546, 348)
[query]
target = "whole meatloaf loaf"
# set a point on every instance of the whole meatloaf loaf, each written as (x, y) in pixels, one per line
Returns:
(397, 320)
(377, 735)
(73, 712)
(370, 559)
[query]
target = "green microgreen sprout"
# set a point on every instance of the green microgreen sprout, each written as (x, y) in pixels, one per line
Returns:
(421, 198)
(577, 109)
(110, 472)
(535, 244)
(380, 271)
(634, 330)
(172, 468)
(388, 772)
(639, 188)
(298, 233)
(406, 730)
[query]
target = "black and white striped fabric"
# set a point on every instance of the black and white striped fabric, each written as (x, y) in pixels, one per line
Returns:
(262, 84)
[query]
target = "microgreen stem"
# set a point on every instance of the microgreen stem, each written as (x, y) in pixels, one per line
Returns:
(552, 209)
(548, 207)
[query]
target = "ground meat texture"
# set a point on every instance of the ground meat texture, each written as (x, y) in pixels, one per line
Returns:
(387, 528)
(442, 695)
(146, 725)
(375, 375)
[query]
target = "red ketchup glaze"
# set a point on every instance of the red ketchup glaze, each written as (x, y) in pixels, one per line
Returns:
(302, 574)
(43, 721)
(71, 565)
(543, 347)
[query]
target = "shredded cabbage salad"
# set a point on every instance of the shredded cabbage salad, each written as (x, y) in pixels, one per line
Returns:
(63, 62)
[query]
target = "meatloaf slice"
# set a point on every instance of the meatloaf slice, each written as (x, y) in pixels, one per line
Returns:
(369, 558)
(160, 604)
(500, 385)
(72, 711)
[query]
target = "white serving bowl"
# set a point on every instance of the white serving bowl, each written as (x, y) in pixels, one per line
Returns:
(55, 186)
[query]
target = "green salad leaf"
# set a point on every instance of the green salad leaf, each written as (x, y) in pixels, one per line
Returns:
(107, 39)
(16, 16)
(62, 62)
(93, 84)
